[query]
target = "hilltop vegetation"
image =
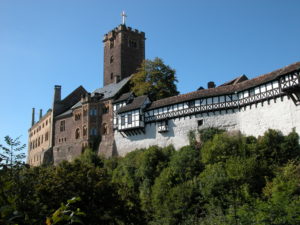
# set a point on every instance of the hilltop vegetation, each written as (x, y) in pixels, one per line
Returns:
(227, 179)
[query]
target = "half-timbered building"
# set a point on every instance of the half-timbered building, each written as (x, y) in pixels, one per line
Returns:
(250, 106)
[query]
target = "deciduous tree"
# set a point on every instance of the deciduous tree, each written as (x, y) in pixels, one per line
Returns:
(155, 79)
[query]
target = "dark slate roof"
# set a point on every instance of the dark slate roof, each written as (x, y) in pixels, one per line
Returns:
(65, 114)
(71, 99)
(123, 97)
(135, 104)
(227, 89)
(236, 80)
(111, 90)
(78, 104)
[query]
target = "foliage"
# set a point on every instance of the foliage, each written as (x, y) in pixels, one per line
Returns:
(66, 214)
(10, 154)
(155, 79)
(227, 179)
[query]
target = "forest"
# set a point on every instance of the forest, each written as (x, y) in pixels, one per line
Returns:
(222, 178)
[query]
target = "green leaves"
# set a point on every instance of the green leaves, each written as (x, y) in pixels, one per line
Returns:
(10, 154)
(155, 79)
(227, 179)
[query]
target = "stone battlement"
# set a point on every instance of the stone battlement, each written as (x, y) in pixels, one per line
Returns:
(122, 28)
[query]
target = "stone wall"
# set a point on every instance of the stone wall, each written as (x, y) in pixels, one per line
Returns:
(70, 141)
(39, 140)
(106, 147)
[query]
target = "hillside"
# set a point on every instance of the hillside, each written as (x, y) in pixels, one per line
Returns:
(226, 178)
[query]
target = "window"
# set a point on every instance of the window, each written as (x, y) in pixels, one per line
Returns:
(192, 104)
(93, 131)
(112, 76)
(93, 112)
(62, 126)
(46, 122)
(111, 44)
(77, 116)
(84, 112)
(200, 123)
(84, 131)
(123, 120)
(46, 136)
(163, 126)
(129, 118)
(132, 44)
(111, 59)
(105, 108)
(77, 133)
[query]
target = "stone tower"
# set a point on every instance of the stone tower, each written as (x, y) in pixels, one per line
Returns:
(124, 51)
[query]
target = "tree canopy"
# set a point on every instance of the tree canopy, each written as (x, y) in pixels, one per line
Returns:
(228, 179)
(155, 79)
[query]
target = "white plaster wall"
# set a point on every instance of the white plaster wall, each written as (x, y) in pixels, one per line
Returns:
(178, 131)
(279, 115)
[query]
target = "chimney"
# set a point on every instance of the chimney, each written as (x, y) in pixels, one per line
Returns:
(211, 84)
(41, 113)
(57, 93)
(32, 120)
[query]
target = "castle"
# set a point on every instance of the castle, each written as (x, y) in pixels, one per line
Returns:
(115, 122)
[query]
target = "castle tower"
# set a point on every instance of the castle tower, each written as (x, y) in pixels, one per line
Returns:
(124, 51)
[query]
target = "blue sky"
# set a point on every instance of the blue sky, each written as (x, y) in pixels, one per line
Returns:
(48, 42)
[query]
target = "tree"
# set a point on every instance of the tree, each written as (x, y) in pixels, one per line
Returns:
(155, 79)
(10, 154)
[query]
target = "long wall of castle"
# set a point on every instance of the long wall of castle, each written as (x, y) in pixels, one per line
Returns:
(252, 107)
(279, 113)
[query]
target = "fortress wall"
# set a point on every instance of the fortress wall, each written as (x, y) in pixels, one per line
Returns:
(280, 115)
(178, 131)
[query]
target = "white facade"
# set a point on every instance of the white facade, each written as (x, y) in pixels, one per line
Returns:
(251, 111)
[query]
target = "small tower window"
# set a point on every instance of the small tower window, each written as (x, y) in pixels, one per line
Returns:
(111, 44)
(132, 44)
(77, 133)
(111, 59)
(112, 76)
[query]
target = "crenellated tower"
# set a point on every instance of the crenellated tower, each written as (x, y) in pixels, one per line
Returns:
(124, 51)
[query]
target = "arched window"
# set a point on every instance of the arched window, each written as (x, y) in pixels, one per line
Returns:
(84, 131)
(77, 133)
